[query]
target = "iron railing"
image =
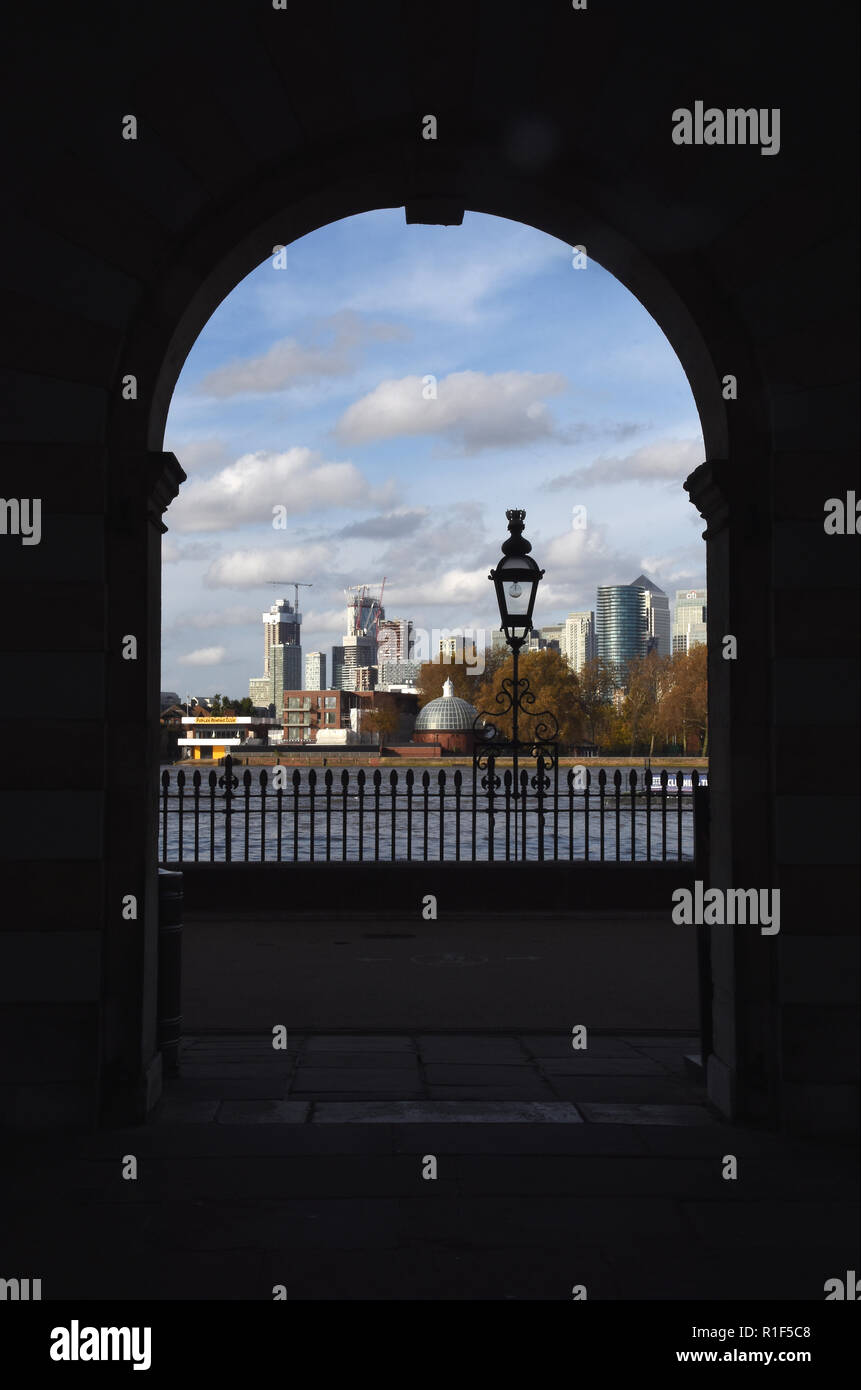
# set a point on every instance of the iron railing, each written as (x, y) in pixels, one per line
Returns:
(286, 815)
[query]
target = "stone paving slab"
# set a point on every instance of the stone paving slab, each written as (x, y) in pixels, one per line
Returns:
(472, 1074)
(263, 1086)
(263, 1112)
(526, 1091)
(559, 1045)
(236, 1071)
(471, 1050)
(353, 1042)
(585, 1065)
(322, 1081)
(633, 1114)
(651, 1090)
(831, 1225)
(434, 1273)
(537, 1138)
(554, 1222)
(446, 1112)
(181, 1110)
(374, 1061)
(339, 1223)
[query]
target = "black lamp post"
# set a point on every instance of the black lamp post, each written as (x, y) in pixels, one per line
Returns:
(516, 578)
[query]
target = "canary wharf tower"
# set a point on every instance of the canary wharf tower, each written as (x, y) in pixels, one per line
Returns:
(622, 626)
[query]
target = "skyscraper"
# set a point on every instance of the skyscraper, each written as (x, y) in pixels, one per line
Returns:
(657, 615)
(280, 625)
(689, 619)
(394, 639)
(579, 640)
(352, 661)
(315, 671)
(622, 627)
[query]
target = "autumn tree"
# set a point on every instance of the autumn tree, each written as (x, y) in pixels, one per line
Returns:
(649, 680)
(594, 697)
(434, 674)
(684, 708)
(382, 720)
(554, 687)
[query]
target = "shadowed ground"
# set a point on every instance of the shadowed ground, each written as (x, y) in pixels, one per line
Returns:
(304, 1168)
(315, 973)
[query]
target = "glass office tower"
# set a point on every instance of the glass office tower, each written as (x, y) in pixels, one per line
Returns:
(622, 626)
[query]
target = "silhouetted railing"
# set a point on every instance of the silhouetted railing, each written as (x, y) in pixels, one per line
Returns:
(291, 815)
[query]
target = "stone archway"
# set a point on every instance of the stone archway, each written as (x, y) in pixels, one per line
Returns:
(225, 256)
(117, 255)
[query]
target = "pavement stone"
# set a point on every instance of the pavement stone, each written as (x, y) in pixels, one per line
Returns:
(243, 1183)
(632, 1114)
(263, 1112)
(445, 1112)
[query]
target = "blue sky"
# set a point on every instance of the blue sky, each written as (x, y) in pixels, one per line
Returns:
(307, 391)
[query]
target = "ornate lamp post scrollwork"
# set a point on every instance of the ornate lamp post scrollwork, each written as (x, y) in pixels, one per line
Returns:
(516, 579)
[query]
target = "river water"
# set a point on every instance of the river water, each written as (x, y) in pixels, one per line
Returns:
(432, 824)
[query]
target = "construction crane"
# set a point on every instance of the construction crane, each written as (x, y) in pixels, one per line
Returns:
(292, 584)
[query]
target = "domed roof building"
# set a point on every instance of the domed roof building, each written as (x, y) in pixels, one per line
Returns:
(447, 721)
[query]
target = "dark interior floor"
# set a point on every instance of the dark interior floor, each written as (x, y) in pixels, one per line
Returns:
(306, 1168)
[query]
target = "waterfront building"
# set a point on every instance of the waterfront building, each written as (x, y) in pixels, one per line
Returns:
(260, 692)
(622, 627)
(398, 673)
(306, 712)
(447, 721)
(579, 642)
(394, 640)
(281, 627)
(657, 615)
(352, 661)
(315, 671)
(214, 736)
(689, 619)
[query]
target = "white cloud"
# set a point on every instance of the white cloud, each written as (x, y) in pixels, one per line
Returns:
(287, 362)
(175, 552)
(473, 409)
(237, 615)
(452, 286)
(666, 460)
(248, 490)
(251, 569)
(199, 455)
(453, 586)
(203, 656)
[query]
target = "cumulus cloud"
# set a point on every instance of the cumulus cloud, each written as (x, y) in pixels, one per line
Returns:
(248, 490)
(667, 460)
(249, 569)
(386, 525)
(203, 656)
(199, 455)
(289, 362)
(237, 615)
(441, 591)
(455, 286)
(174, 552)
(473, 410)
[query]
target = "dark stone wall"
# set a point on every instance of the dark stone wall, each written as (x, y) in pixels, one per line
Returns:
(254, 127)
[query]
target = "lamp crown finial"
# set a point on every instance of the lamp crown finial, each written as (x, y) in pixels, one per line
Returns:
(516, 543)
